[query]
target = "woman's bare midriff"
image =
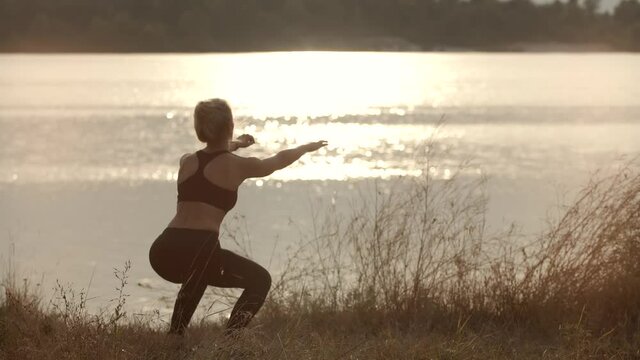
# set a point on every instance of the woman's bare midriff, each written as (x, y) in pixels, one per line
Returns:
(197, 215)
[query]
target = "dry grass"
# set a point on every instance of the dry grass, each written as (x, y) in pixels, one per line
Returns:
(408, 274)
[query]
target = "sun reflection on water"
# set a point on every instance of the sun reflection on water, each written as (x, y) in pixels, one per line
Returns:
(310, 84)
(354, 151)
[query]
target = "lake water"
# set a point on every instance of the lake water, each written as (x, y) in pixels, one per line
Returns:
(89, 144)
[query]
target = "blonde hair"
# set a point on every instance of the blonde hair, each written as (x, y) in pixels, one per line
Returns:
(213, 120)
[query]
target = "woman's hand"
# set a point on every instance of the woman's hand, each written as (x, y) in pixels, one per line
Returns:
(245, 140)
(313, 146)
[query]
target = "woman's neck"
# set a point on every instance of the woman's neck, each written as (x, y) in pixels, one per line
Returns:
(217, 147)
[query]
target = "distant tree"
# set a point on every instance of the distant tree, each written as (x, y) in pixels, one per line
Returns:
(627, 12)
(240, 25)
(591, 6)
(634, 36)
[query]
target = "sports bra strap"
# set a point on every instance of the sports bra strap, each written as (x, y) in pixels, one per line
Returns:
(204, 158)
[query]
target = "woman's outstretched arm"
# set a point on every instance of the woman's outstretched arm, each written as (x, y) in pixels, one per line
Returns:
(254, 167)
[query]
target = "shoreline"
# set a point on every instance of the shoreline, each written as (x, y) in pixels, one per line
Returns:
(392, 46)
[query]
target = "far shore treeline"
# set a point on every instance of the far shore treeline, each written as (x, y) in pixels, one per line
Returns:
(259, 25)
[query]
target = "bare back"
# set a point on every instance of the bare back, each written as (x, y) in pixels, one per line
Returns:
(221, 171)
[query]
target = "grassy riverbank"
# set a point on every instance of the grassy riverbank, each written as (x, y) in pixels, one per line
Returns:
(408, 275)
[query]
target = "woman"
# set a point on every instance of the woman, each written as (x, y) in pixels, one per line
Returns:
(188, 251)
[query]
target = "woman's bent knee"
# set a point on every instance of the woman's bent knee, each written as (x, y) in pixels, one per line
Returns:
(263, 281)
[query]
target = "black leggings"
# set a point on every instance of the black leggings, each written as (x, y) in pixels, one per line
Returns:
(194, 259)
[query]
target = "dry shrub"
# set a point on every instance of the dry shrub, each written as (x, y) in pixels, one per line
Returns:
(416, 254)
(411, 250)
(588, 264)
(63, 328)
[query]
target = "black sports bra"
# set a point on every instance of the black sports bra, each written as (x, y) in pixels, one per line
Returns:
(197, 188)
